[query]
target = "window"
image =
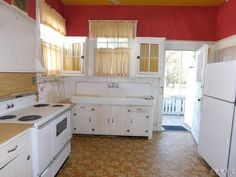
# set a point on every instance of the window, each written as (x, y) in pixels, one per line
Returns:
(51, 44)
(112, 55)
(21, 4)
(112, 43)
(51, 58)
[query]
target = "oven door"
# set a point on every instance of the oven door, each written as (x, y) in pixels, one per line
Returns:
(45, 155)
(60, 132)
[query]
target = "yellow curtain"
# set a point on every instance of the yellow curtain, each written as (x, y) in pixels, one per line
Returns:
(72, 57)
(112, 28)
(52, 18)
(50, 58)
(112, 62)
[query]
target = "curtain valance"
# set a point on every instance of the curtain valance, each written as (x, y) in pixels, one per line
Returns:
(112, 28)
(52, 18)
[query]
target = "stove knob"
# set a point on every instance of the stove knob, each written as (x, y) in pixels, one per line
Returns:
(12, 105)
(8, 106)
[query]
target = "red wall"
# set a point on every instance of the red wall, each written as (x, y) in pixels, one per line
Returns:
(180, 23)
(226, 20)
(31, 8)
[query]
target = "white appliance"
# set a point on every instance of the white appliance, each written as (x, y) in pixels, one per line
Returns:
(51, 138)
(217, 138)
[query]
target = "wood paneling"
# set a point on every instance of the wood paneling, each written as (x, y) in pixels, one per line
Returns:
(146, 2)
(14, 84)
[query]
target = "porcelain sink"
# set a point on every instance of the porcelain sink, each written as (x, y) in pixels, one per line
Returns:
(96, 99)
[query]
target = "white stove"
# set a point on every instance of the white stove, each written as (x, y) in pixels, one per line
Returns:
(50, 131)
(37, 115)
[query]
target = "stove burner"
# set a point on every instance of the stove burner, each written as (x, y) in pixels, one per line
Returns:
(29, 118)
(58, 105)
(41, 105)
(7, 117)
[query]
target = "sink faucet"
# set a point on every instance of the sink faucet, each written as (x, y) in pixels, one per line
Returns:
(113, 85)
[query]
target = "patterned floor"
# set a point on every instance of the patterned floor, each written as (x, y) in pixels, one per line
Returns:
(168, 154)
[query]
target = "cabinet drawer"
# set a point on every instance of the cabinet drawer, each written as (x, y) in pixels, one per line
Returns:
(139, 109)
(13, 148)
(79, 108)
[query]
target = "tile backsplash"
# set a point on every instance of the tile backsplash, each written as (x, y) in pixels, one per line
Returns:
(51, 90)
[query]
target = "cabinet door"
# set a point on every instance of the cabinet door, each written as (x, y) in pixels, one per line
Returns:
(8, 170)
(24, 164)
(150, 56)
(120, 120)
(102, 119)
(83, 119)
(139, 124)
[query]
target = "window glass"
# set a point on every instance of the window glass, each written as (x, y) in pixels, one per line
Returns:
(112, 43)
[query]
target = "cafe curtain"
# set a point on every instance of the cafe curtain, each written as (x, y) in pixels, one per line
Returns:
(72, 57)
(112, 28)
(112, 62)
(50, 58)
(50, 17)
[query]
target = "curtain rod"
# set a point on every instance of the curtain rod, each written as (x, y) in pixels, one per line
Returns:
(114, 20)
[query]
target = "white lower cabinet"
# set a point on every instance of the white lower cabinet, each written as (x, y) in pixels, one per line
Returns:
(19, 162)
(113, 120)
(24, 164)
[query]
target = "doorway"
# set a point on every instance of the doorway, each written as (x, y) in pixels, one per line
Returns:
(180, 71)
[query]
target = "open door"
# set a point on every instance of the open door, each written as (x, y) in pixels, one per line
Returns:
(201, 59)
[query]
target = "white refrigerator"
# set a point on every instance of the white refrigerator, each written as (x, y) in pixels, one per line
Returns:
(217, 137)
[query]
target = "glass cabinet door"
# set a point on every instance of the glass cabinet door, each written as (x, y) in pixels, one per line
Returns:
(149, 58)
(72, 57)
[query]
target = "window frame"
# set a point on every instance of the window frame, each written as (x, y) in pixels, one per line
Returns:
(26, 11)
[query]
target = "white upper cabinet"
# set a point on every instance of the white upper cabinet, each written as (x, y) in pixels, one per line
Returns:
(149, 56)
(73, 60)
(18, 40)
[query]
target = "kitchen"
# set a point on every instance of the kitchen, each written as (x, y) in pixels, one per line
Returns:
(82, 88)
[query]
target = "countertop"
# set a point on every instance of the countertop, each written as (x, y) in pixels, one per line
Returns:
(10, 130)
(67, 101)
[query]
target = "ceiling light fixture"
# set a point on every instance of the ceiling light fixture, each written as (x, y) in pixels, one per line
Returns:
(115, 2)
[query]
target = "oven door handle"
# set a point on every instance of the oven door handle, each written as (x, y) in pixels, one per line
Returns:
(45, 124)
(47, 168)
(57, 116)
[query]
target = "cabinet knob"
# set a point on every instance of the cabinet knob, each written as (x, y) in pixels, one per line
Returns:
(146, 131)
(28, 157)
(138, 57)
(93, 109)
(129, 110)
(75, 114)
(128, 130)
(93, 129)
(74, 128)
(147, 117)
